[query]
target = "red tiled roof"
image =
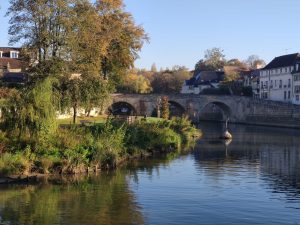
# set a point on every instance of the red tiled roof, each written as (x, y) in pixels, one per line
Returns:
(14, 63)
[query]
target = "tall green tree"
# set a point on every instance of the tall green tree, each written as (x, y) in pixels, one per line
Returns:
(40, 25)
(94, 40)
(125, 38)
(32, 112)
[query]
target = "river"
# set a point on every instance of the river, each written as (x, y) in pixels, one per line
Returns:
(255, 179)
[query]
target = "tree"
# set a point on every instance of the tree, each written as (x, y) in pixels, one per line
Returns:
(236, 63)
(40, 25)
(214, 59)
(69, 37)
(170, 81)
(125, 38)
(165, 111)
(134, 83)
(153, 68)
(254, 62)
(32, 111)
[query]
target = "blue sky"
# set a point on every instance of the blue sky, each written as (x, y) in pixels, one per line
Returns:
(181, 30)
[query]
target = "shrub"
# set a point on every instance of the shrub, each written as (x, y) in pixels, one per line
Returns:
(109, 145)
(75, 160)
(17, 163)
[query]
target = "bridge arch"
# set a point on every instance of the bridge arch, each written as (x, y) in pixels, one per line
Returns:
(122, 108)
(176, 109)
(215, 110)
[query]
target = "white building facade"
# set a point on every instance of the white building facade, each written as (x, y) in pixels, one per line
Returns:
(296, 83)
(277, 79)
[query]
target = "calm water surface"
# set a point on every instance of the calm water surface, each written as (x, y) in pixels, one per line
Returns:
(255, 179)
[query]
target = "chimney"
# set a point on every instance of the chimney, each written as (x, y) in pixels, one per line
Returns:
(8, 67)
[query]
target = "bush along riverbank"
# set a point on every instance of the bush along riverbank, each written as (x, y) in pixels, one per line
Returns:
(77, 149)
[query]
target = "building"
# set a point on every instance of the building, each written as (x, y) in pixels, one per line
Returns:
(296, 83)
(251, 79)
(276, 79)
(11, 67)
(9, 60)
(202, 80)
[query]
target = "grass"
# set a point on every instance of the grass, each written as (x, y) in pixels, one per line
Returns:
(96, 119)
(101, 119)
(103, 144)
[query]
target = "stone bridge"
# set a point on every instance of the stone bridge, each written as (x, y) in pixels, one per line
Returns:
(211, 107)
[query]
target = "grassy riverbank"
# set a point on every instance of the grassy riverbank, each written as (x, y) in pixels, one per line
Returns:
(75, 149)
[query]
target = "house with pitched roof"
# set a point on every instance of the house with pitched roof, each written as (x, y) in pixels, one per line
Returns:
(277, 79)
(202, 80)
(11, 67)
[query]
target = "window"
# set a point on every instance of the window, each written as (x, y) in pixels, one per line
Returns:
(275, 83)
(289, 95)
(295, 78)
(1, 54)
(14, 54)
(280, 83)
(284, 95)
(289, 84)
(271, 85)
(266, 84)
(286, 70)
(297, 97)
(262, 84)
(297, 89)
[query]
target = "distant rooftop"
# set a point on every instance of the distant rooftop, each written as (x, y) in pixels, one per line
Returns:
(283, 61)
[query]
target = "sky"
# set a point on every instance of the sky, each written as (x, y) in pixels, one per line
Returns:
(181, 30)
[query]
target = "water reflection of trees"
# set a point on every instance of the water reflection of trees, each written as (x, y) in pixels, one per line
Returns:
(274, 151)
(152, 166)
(104, 199)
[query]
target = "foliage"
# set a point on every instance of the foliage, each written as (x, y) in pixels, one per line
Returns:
(69, 40)
(109, 145)
(170, 81)
(214, 59)
(237, 63)
(32, 111)
(15, 163)
(165, 111)
(254, 62)
(134, 83)
(74, 149)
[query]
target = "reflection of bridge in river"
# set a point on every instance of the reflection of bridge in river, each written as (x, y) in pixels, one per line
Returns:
(267, 151)
(216, 107)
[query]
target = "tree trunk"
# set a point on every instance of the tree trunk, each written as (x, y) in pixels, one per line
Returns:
(74, 114)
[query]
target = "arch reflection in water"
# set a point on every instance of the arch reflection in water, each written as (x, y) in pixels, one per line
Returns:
(273, 152)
